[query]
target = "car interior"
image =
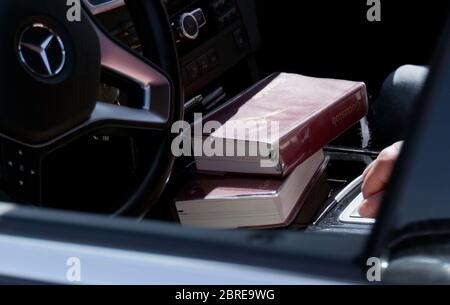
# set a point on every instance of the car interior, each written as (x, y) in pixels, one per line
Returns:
(97, 141)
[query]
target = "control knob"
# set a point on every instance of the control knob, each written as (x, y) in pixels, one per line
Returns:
(191, 23)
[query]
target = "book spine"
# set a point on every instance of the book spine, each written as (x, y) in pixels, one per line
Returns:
(321, 129)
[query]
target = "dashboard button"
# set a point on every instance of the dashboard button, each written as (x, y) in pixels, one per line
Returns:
(203, 62)
(213, 58)
(239, 38)
(193, 71)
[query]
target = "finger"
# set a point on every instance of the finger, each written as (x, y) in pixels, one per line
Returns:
(379, 173)
(377, 178)
(366, 171)
(371, 206)
(398, 146)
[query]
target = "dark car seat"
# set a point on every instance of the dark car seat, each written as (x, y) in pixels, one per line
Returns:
(392, 108)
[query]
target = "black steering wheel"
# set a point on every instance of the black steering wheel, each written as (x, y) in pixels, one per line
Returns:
(50, 72)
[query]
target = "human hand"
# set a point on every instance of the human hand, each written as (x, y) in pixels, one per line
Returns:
(376, 177)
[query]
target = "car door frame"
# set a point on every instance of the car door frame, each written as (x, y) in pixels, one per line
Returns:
(244, 257)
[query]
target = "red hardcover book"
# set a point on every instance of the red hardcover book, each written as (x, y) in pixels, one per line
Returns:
(227, 202)
(310, 113)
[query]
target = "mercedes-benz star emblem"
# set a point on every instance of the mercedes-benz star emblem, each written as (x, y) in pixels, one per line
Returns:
(41, 51)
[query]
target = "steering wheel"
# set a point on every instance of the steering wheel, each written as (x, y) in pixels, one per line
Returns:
(50, 74)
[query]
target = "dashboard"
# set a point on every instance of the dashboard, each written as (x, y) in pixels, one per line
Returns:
(216, 40)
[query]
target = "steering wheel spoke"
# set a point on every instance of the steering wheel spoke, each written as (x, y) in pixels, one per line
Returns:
(155, 87)
(110, 115)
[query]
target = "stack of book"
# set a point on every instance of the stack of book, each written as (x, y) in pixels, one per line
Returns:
(267, 151)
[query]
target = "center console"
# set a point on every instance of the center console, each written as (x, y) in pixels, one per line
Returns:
(212, 37)
(340, 212)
